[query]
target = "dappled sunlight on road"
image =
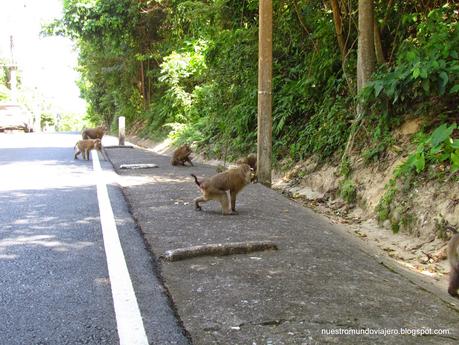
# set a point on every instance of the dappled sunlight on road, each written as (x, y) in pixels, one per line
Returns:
(25, 140)
(41, 240)
(25, 166)
(129, 181)
(47, 174)
(48, 196)
(50, 219)
(164, 179)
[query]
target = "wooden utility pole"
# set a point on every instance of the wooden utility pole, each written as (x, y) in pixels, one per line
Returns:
(265, 59)
(13, 72)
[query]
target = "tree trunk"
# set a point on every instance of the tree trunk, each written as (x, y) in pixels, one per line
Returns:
(149, 84)
(366, 60)
(142, 84)
(366, 52)
(378, 45)
(339, 29)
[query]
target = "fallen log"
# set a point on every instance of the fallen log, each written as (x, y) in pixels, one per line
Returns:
(218, 249)
(138, 166)
(119, 147)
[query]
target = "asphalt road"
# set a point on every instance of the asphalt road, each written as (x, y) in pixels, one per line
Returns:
(54, 282)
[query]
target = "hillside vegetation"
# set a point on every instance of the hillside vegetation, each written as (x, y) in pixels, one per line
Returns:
(188, 70)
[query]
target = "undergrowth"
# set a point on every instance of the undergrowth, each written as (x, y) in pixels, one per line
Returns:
(436, 157)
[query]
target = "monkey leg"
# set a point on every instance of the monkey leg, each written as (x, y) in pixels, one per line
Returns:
(453, 282)
(197, 201)
(223, 198)
(76, 154)
(189, 161)
(233, 201)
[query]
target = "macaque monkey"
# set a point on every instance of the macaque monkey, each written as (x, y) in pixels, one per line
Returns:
(220, 168)
(215, 187)
(94, 133)
(182, 155)
(453, 258)
(84, 146)
(251, 160)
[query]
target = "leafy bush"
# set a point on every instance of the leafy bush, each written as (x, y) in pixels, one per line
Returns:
(348, 191)
(427, 63)
(438, 148)
(434, 151)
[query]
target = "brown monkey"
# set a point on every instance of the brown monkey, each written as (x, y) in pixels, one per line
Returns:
(453, 258)
(215, 187)
(182, 155)
(251, 160)
(94, 133)
(84, 146)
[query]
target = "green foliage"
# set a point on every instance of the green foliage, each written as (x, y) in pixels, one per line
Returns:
(348, 191)
(4, 91)
(345, 167)
(427, 63)
(188, 69)
(326, 131)
(422, 80)
(437, 150)
(71, 122)
(380, 138)
(105, 32)
(46, 120)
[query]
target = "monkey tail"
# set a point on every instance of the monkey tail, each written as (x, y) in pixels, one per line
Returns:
(196, 180)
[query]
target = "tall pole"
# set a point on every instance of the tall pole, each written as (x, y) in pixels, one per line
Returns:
(121, 130)
(13, 70)
(265, 69)
(13, 83)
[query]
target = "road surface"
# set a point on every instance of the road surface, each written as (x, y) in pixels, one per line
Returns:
(56, 284)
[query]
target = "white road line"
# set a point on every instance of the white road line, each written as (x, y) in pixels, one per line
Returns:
(128, 318)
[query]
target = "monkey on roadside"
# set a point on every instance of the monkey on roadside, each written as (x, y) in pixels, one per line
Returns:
(216, 187)
(182, 155)
(453, 258)
(94, 133)
(84, 146)
(251, 160)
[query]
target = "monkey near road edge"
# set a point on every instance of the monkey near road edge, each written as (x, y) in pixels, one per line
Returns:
(84, 146)
(251, 160)
(453, 258)
(93, 133)
(215, 187)
(182, 155)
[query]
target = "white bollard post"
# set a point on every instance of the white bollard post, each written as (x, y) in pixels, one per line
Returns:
(121, 130)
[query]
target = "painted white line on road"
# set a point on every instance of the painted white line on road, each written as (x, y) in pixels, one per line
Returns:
(128, 318)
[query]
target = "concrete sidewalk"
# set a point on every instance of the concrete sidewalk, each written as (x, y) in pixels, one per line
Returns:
(319, 283)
